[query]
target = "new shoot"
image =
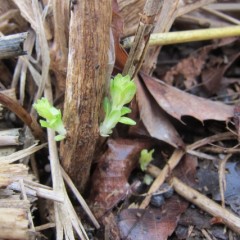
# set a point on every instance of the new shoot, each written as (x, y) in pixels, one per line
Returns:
(122, 91)
(53, 117)
(144, 160)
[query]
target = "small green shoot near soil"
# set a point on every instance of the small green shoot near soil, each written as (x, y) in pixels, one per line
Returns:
(122, 91)
(148, 179)
(145, 158)
(53, 117)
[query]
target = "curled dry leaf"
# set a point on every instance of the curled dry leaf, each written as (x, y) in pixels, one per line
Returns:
(154, 118)
(110, 179)
(178, 103)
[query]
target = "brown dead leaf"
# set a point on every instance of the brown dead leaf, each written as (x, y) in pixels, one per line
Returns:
(186, 170)
(154, 118)
(158, 223)
(152, 223)
(178, 103)
(191, 67)
(110, 179)
(212, 76)
(196, 218)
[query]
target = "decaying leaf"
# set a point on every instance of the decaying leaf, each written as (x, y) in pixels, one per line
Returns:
(153, 223)
(110, 179)
(158, 223)
(154, 118)
(213, 75)
(178, 103)
(193, 66)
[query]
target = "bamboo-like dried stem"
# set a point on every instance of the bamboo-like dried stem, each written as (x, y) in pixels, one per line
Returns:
(10, 217)
(89, 37)
(140, 44)
(12, 45)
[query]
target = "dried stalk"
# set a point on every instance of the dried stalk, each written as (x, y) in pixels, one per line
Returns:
(30, 121)
(222, 178)
(206, 204)
(61, 23)
(10, 217)
(89, 38)
(170, 11)
(65, 215)
(80, 198)
(175, 159)
(21, 153)
(9, 140)
(140, 44)
(221, 15)
(172, 163)
(12, 45)
(37, 191)
(218, 149)
(225, 6)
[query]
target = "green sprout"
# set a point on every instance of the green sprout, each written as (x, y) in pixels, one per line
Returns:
(145, 158)
(122, 91)
(147, 179)
(53, 117)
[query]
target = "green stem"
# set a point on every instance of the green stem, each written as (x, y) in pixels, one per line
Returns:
(157, 39)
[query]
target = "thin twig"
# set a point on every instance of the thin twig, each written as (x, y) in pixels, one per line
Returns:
(21, 153)
(172, 163)
(206, 204)
(211, 139)
(222, 177)
(221, 15)
(80, 198)
(175, 159)
(30, 121)
(44, 227)
(200, 200)
(219, 149)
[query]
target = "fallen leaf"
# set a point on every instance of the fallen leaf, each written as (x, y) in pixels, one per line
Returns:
(154, 118)
(196, 218)
(178, 103)
(152, 223)
(186, 170)
(208, 182)
(110, 179)
(191, 67)
(213, 75)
